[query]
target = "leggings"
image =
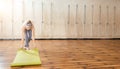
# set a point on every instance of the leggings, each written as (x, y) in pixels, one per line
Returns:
(28, 35)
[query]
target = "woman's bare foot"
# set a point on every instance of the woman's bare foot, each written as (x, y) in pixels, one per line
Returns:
(26, 48)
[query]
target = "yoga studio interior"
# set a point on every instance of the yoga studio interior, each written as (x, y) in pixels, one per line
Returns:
(59, 34)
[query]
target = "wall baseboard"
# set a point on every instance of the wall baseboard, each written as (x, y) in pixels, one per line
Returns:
(70, 39)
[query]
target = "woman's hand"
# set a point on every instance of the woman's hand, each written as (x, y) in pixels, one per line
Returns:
(33, 43)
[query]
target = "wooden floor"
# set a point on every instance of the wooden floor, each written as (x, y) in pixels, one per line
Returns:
(67, 54)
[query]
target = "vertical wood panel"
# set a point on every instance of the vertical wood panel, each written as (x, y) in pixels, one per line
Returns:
(58, 22)
(17, 18)
(1, 27)
(117, 24)
(7, 19)
(103, 21)
(72, 24)
(46, 8)
(88, 24)
(80, 26)
(38, 18)
(96, 21)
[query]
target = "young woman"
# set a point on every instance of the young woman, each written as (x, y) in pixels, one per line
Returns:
(28, 33)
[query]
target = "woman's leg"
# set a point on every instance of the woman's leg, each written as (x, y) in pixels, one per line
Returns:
(28, 35)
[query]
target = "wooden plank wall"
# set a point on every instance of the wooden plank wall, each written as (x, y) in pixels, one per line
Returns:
(62, 18)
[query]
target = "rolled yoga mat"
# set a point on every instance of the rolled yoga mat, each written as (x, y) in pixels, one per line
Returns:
(27, 57)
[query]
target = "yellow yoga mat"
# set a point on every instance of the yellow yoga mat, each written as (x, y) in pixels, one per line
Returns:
(27, 57)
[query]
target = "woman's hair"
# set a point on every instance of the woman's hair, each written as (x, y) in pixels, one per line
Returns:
(29, 23)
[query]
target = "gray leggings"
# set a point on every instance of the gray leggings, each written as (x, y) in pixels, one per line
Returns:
(28, 35)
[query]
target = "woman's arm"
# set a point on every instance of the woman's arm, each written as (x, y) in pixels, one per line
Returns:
(22, 37)
(33, 36)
